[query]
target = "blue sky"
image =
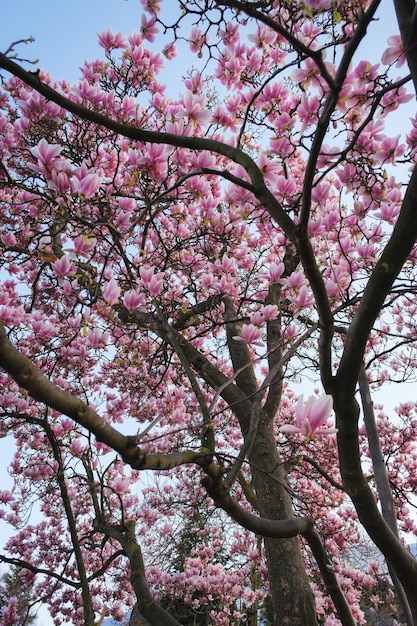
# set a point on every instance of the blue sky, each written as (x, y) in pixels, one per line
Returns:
(65, 33)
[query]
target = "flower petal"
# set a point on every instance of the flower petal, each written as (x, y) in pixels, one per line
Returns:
(289, 428)
(319, 412)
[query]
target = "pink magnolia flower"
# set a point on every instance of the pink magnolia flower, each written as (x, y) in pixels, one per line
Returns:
(394, 52)
(134, 300)
(148, 28)
(195, 83)
(392, 99)
(319, 5)
(77, 447)
(197, 40)
(270, 312)
(111, 292)
(46, 152)
(6, 497)
(152, 6)
(108, 40)
(306, 74)
(155, 285)
(310, 416)
(83, 245)
(295, 280)
(9, 613)
(195, 108)
(86, 182)
(156, 161)
(96, 338)
(59, 181)
(308, 110)
(264, 36)
(230, 35)
(153, 282)
(9, 239)
(257, 318)
(250, 334)
(290, 332)
(64, 267)
(170, 51)
(276, 270)
(390, 150)
(121, 485)
(303, 299)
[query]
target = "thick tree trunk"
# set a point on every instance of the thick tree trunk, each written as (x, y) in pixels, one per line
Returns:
(292, 598)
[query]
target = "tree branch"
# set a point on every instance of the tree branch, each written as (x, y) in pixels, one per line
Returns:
(284, 528)
(29, 377)
(147, 606)
(260, 190)
(406, 11)
(382, 482)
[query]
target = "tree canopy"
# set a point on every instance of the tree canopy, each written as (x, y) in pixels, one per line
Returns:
(200, 294)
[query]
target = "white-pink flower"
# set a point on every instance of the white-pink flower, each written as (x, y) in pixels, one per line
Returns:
(153, 282)
(195, 108)
(121, 485)
(109, 40)
(270, 312)
(111, 292)
(304, 299)
(148, 28)
(83, 245)
(64, 267)
(276, 270)
(86, 182)
(45, 152)
(257, 318)
(250, 334)
(134, 300)
(310, 416)
(9, 612)
(155, 285)
(394, 52)
(96, 338)
(77, 447)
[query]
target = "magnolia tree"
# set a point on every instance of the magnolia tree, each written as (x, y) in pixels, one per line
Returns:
(191, 285)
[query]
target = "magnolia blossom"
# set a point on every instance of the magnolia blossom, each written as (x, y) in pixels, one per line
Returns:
(195, 108)
(310, 416)
(111, 292)
(148, 28)
(9, 613)
(46, 152)
(85, 182)
(108, 40)
(96, 338)
(276, 270)
(64, 267)
(250, 334)
(121, 485)
(134, 300)
(83, 245)
(197, 40)
(153, 282)
(394, 52)
(77, 447)
(319, 5)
